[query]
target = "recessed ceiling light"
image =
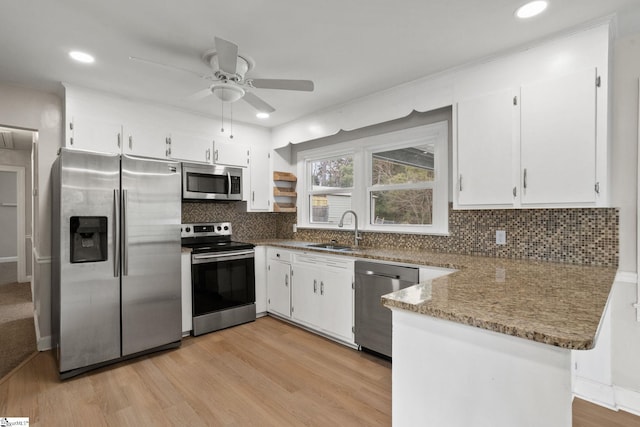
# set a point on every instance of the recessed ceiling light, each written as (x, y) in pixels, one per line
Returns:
(531, 9)
(262, 115)
(81, 57)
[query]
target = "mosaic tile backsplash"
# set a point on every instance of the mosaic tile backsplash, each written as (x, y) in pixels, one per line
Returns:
(585, 236)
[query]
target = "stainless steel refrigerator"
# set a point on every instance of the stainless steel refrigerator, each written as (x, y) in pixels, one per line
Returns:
(115, 258)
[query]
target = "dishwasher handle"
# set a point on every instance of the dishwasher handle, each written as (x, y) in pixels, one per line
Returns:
(373, 273)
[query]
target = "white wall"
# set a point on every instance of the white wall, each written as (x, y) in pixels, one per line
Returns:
(40, 111)
(626, 330)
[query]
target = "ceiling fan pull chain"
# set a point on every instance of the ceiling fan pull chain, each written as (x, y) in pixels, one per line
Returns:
(231, 121)
(222, 118)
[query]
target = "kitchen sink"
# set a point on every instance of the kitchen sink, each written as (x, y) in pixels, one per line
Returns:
(330, 247)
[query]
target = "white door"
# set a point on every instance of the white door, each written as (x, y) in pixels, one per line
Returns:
(191, 147)
(259, 198)
(230, 153)
(278, 288)
(100, 135)
(145, 140)
(487, 135)
(336, 294)
(558, 140)
(305, 294)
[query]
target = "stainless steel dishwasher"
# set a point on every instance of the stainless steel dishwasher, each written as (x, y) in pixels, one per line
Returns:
(373, 320)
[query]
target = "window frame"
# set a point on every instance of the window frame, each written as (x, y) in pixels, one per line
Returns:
(362, 150)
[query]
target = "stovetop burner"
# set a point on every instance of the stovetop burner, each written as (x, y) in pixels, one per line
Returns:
(210, 237)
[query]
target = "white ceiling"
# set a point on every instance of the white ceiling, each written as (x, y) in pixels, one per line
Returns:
(349, 48)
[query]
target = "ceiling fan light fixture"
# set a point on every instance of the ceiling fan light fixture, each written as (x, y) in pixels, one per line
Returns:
(531, 9)
(227, 92)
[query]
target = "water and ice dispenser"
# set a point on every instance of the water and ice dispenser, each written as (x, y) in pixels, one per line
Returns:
(88, 238)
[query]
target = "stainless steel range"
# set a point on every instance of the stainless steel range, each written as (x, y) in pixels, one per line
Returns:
(222, 277)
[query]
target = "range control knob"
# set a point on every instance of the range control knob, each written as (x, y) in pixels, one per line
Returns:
(226, 228)
(219, 228)
(188, 229)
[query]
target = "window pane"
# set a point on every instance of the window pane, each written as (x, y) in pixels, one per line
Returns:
(403, 166)
(328, 208)
(332, 173)
(402, 207)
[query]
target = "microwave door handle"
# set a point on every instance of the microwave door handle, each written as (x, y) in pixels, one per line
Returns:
(229, 184)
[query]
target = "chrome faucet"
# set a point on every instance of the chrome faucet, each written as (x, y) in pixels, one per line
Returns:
(357, 236)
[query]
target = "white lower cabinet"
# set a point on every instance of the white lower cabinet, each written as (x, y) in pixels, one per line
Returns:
(187, 318)
(322, 294)
(279, 282)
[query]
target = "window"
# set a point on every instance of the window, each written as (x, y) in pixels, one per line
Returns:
(330, 188)
(395, 182)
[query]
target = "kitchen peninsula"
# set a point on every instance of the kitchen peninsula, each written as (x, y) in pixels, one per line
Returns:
(490, 344)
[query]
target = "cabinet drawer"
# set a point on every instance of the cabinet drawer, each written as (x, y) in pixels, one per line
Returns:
(279, 254)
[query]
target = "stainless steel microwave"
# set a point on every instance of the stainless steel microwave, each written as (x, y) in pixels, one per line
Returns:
(209, 182)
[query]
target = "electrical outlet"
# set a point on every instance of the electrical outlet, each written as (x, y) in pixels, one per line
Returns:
(295, 228)
(501, 237)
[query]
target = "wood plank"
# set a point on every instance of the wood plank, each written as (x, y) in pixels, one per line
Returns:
(263, 373)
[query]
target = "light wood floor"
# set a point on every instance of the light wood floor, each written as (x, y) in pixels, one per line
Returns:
(262, 373)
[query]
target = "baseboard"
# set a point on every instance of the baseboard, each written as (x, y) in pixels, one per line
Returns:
(594, 392)
(627, 400)
(42, 343)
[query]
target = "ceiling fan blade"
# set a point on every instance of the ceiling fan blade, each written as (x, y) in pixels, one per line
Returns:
(199, 94)
(170, 67)
(304, 85)
(227, 55)
(257, 103)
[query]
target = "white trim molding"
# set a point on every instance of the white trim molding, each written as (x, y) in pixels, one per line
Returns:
(8, 259)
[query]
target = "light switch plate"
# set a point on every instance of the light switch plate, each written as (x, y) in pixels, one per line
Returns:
(501, 237)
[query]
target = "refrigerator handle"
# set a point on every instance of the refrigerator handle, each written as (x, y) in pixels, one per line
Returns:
(125, 235)
(116, 232)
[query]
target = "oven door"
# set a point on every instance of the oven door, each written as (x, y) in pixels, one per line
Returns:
(222, 280)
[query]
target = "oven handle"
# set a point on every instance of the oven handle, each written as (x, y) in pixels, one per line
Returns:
(228, 256)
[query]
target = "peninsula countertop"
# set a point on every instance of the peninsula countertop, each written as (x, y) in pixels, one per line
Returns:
(553, 303)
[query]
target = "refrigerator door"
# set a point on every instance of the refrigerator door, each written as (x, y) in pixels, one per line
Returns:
(151, 218)
(86, 288)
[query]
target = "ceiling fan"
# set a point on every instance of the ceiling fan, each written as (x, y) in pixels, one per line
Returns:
(228, 77)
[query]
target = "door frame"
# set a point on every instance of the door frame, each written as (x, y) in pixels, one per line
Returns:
(20, 210)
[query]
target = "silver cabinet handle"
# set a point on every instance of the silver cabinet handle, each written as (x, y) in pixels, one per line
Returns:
(515, 191)
(130, 142)
(125, 234)
(321, 288)
(215, 154)
(315, 286)
(119, 139)
(524, 179)
(460, 188)
(286, 280)
(116, 232)
(208, 154)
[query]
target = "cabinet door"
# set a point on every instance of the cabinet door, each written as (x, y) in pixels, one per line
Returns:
(278, 288)
(486, 137)
(336, 294)
(261, 279)
(558, 145)
(305, 293)
(187, 315)
(100, 135)
(259, 198)
(145, 140)
(229, 153)
(190, 147)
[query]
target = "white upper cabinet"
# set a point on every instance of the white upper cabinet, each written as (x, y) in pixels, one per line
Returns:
(190, 146)
(259, 192)
(145, 140)
(558, 140)
(231, 154)
(486, 150)
(92, 134)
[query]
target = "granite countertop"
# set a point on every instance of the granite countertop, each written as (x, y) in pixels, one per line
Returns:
(553, 303)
